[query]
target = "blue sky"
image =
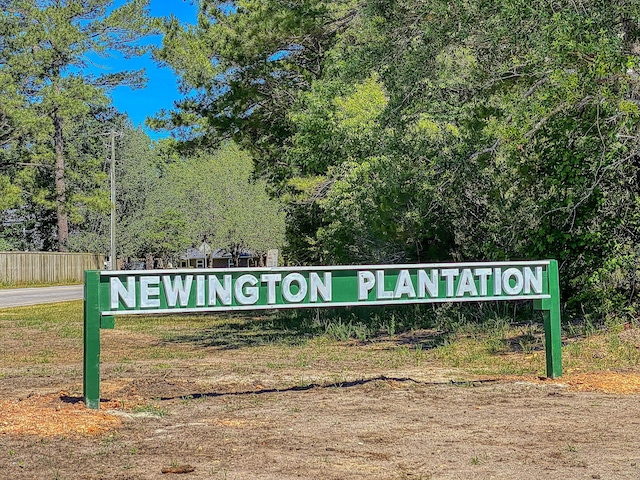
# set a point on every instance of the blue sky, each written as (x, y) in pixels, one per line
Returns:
(162, 86)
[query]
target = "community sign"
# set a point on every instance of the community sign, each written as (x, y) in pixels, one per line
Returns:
(109, 294)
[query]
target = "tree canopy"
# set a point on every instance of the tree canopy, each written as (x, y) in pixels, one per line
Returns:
(384, 130)
(211, 197)
(402, 130)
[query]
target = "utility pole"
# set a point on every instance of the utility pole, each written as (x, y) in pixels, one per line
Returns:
(112, 177)
(112, 180)
(113, 199)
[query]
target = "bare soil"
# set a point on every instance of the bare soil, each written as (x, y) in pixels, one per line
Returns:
(345, 412)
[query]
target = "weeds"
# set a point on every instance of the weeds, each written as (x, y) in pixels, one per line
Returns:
(345, 331)
(583, 328)
(151, 410)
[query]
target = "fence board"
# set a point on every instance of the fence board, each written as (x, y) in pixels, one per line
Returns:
(47, 267)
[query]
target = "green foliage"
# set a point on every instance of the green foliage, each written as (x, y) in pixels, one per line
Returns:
(611, 293)
(404, 130)
(244, 66)
(211, 197)
(139, 164)
(9, 193)
(166, 233)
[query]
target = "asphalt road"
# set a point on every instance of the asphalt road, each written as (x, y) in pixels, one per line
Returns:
(19, 297)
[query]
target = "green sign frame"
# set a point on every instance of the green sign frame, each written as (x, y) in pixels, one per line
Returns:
(109, 294)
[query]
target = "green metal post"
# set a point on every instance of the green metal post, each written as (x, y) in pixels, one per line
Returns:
(552, 329)
(91, 369)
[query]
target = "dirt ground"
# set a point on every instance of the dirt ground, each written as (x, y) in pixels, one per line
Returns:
(196, 400)
(224, 416)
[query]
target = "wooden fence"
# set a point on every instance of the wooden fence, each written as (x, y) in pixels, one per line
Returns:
(47, 267)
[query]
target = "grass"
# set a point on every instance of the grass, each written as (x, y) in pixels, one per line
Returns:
(602, 351)
(151, 409)
(347, 340)
(12, 285)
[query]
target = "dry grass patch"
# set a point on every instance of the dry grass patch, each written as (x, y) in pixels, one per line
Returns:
(618, 383)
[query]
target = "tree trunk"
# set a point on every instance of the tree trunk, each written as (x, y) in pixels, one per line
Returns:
(235, 254)
(61, 187)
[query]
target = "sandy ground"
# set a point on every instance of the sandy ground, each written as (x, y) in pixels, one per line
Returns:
(220, 417)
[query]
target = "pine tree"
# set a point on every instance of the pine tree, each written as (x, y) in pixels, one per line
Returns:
(47, 48)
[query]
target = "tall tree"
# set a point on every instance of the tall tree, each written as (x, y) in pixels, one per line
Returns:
(46, 58)
(89, 182)
(211, 196)
(242, 66)
(139, 166)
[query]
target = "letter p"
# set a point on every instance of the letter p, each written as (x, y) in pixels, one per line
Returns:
(366, 282)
